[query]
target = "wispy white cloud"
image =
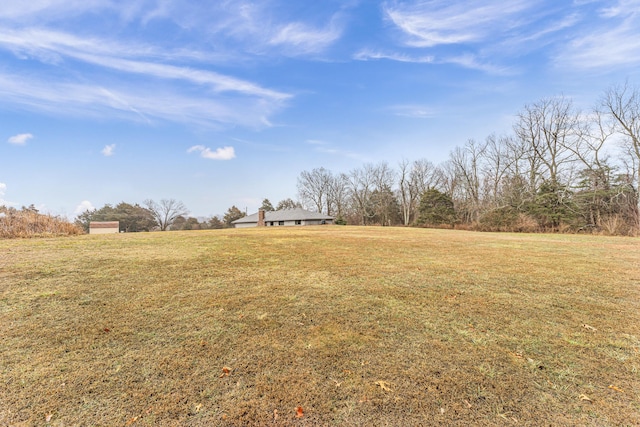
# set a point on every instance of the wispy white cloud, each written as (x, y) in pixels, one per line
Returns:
(84, 206)
(224, 153)
(474, 62)
(413, 111)
(300, 38)
(108, 150)
(442, 22)
(53, 47)
(612, 42)
(466, 60)
(368, 54)
(621, 8)
(129, 102)
(50, 9)
(20, 139)
(325, 147)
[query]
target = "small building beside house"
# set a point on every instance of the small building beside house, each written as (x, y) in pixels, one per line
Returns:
(104, 227)
(285, 217)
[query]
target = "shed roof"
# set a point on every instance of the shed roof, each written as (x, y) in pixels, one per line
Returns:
(104, 224)
(284, 215)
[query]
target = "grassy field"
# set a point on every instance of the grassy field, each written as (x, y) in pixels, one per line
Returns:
(320, 326)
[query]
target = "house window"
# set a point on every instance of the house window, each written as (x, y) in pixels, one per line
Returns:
(271, 223)
(280, 222)
(298, 222)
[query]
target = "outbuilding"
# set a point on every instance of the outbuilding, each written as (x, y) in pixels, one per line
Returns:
(104, 227)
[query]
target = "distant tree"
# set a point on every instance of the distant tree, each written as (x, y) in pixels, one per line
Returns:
(287, 204)
(132, 218)
(193, 224)
(231, 215)
(179, 223)
(166, 211)
(266, 206)
(216, 223)
(436, 208)
(553, 206)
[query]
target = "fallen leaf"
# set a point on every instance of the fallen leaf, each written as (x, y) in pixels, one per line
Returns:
(198, 406)
(612, 387)
(589, 328)
(299, 412)
(225, 372)
(468, 404)
(131, 421)
(441, 411)
(384, 385)
(338, 384)
(49, 416)
(585, 397)
(224, 416)
(107, 330)
(275, 414)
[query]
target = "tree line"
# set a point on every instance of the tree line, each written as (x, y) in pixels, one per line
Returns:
(560, 169)
(167, 214)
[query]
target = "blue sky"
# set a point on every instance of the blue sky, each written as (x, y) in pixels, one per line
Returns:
(220, 103)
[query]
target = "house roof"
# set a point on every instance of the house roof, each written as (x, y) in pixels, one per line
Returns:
(284, 215)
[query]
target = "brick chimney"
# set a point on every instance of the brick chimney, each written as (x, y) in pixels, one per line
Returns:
(261, 222)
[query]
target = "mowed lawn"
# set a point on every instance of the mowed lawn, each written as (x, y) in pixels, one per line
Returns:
(320, 326)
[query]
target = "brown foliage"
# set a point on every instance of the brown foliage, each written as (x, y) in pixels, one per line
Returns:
(28, 222)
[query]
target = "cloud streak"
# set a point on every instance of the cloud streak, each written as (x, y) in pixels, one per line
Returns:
(614, 42)
(142, 104)
(441, 22)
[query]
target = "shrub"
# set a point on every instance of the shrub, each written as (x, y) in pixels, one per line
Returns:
(28, 222)
(436, 208)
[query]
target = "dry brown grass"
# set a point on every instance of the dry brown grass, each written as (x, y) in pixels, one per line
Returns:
(27, 223)
(357, 326)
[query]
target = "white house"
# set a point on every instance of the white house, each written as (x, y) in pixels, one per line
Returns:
(286, 217)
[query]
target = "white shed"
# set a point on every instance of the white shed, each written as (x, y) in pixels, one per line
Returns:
(104, 227)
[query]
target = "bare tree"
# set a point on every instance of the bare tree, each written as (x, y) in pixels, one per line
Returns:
(622, 102)
(549, 128)
(166, 211)
(313, 189)
(287, 204)
(413, 180)
(360, 186)
(495, 169)
(407, 202)
(338, 193)
(466, 162)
